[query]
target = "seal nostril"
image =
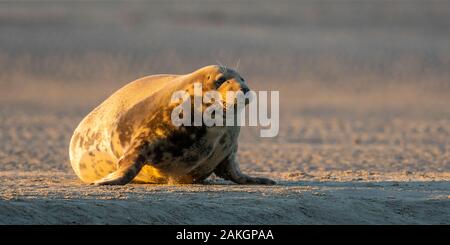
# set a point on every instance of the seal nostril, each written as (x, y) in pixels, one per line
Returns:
(245, 90)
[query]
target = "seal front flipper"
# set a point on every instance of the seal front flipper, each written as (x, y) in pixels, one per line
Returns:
(129, 166)
(229, 170)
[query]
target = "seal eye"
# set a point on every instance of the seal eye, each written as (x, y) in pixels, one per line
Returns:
(220, 81)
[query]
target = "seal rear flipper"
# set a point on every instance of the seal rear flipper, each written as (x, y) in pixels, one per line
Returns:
(129, 166)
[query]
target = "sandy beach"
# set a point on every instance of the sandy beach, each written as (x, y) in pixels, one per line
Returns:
(323, 198)
(364, 121)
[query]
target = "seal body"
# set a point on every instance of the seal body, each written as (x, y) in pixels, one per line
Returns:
(130, 136)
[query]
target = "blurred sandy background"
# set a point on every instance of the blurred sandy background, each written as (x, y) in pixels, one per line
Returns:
(364, 90)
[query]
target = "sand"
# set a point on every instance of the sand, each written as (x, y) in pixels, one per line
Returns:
(399, 176)
(365, 117)
(299, 198)
(325, 198)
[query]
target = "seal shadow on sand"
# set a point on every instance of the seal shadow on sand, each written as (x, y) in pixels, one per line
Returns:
(286, 184)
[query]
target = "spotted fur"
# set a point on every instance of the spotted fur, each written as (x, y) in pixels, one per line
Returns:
(130, 136)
